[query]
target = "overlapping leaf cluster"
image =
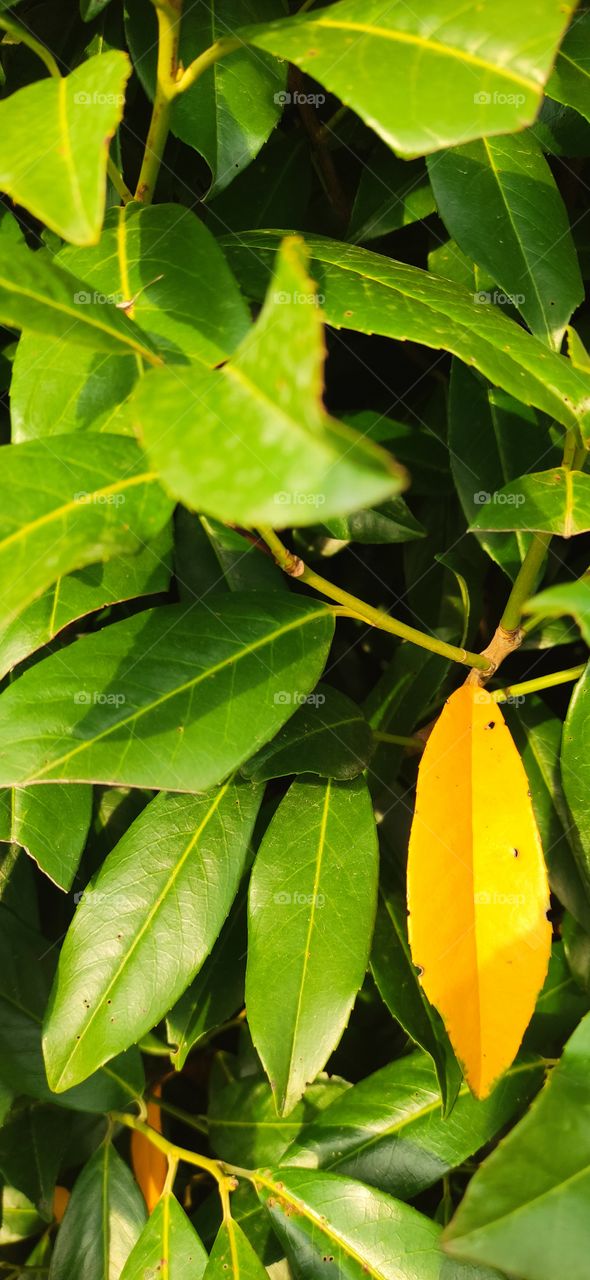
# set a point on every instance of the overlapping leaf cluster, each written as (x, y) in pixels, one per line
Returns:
(338, 305)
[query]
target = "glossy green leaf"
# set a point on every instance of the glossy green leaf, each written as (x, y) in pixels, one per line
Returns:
(538, 734)
(124, 961)
(168, 1244)
(390, 523)
(217, 991)
(391, 194)
(232, 1256)
(416, 445)
(389, 1131)
(165, 261)
(232, 109)
(327, 735)
(57, 133)
(102, 1222)
(27, 961)
(251, 443)
(394, 67)
(556, 501)
(508, 437)
(524, 1210)
(566, 597)
(59, 386)
(559, 1008)
(20, 1218)
(32, 1142)
(570, 79)
(244, 1127)
(575, 765)
(369, 293)
(498, 198)
(83, 592)
(38, 295)
(311, 914)
(173, 698)
(79, 504)
(397, 980)
(51, 823)
(211, 556)
(327, 1223)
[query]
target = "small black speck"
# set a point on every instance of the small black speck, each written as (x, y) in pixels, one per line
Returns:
(419, 971)
(491, 725)
(515, 853)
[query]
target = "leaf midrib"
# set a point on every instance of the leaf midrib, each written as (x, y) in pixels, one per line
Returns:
(189, 684)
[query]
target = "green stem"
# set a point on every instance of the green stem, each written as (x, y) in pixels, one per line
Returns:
(526, 581)
(22, 36)
(228, 44)
(212, 1167)
(193, 1122)
(166, 79)
(118, 181)
(542, 682)
(397, 740)
(355, 608)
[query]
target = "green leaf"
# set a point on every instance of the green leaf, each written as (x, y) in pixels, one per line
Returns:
(327, 735)
(322, 1219)
(369, 293)
(124, 961)
(390, 195)
(311, 914)
(389, 1131)
(173, 698)
(228, 114)
(566, 597)
(83, 592)
(232, 1256)
(86, 504)
(168, 1244)
(59, 386)
(103, 1220)
(51, 823)
(20, 1218)
(32, 1142)
(498, 198)
(56, 135)
(25, 980)
(216, 992)
(556, 501)
(211, 556)
(244, 1126)
(508, 437)
(251, 443)
(397, 981)
(38, 295)
(570, 80)
(523, 1212)
(425, 81)
(537, 734)
(390, 523)
(165, 261)
(575, 766)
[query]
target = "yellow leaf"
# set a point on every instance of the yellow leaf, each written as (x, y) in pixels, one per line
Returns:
(150, 1166)
(477, 887)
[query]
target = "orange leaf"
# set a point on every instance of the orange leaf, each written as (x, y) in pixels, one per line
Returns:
(61, 1196)
(150, 1166)
(477, 886)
